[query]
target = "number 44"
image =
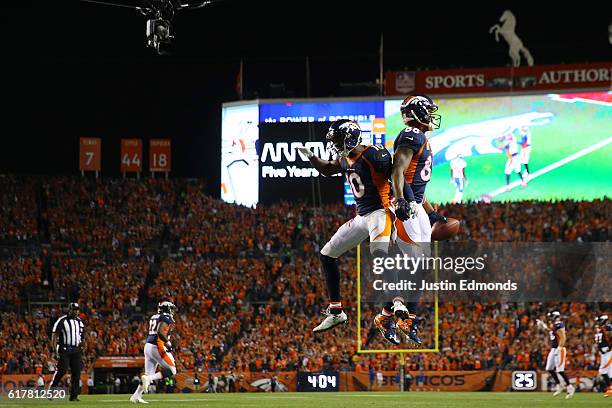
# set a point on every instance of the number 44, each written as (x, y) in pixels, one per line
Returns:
(126, 160)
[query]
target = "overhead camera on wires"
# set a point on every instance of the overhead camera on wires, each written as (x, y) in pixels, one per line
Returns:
(159, 14)
(158, 34)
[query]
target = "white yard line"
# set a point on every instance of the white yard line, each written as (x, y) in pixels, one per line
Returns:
(554, 165)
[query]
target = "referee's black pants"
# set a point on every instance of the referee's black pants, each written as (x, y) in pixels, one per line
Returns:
(74, 360)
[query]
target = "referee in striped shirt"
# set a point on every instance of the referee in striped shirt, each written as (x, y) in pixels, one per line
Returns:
(67, 341)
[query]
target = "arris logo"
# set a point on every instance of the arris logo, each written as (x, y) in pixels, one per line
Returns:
(283, 151)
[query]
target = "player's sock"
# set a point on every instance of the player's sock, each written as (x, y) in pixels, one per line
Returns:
(139, 391)
(521, 176)
(553, 374)
(332, 279)
(527, 168)
(507, 179)
(387, 309)
(335, 307)
(411, 306)
(458, 197)
(565, 378)
(606, 379)
(157, 376)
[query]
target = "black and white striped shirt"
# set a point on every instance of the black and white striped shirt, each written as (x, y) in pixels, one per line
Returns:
(69, 331)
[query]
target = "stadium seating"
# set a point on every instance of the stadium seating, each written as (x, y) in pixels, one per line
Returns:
(246, 281)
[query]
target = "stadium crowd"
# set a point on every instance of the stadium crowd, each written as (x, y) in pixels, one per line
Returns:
(246, 281)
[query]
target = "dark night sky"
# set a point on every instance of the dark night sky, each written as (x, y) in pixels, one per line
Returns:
(74, 69)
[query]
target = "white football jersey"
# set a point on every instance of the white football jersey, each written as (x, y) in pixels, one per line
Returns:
(457, 165)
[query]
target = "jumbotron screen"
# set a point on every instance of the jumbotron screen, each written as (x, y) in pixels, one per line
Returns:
(552, 146)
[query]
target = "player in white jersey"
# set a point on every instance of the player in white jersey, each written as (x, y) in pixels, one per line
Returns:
(525, 142)
(157, 350)
(513, 163)
(458, 177)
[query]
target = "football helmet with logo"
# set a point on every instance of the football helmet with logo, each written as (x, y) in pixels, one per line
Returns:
(420, 109)
(601, 320)
(345, 135)
(166, 307)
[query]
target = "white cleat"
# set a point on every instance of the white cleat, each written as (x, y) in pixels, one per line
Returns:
(145, 383)
(135, 400)
(330, 321)
(570, 391)
(558, 390)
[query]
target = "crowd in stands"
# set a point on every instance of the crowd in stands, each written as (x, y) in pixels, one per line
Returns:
(104, 216)
(18, 209)
(247, 281)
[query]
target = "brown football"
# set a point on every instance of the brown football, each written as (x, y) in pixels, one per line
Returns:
(443, 232)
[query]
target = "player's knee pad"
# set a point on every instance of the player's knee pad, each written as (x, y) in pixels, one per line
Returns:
(169, 372)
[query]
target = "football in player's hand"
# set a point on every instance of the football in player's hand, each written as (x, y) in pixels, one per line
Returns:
(445, 231)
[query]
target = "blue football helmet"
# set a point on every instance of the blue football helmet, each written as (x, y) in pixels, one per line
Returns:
(166, 307)
(345, 135)
(421, 108)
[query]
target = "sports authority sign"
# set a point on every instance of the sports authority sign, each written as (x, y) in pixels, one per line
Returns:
(489, 80)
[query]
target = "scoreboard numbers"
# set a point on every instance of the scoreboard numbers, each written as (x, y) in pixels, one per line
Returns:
(524, 380)
(160, 155)
(318, 382)
(322, 380)
(90, 154)
(131, 155)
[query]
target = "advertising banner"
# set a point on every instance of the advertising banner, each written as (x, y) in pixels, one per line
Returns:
(110, 362)
(507, 79)
(245, 382)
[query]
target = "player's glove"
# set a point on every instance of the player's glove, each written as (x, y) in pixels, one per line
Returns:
(434, 217)
(306, 152)
(605, 349)
(541, 324)
(168, 346)
(405, 209)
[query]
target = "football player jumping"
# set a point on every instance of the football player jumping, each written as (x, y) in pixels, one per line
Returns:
(157, 350)
(367, 170)
(555, 362)
(603, 341)
(412, 163)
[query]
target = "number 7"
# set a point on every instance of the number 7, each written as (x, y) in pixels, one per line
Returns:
(90, 156)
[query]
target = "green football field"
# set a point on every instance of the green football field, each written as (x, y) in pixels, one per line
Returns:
(574, 127)
(336, 400)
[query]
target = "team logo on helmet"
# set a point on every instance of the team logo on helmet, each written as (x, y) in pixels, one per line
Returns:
(421, 108)
(166, 307)
(345, 135)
